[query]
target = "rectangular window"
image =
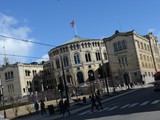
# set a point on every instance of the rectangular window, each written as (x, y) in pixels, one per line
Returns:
(115, 47)
(119, 46)
(124, 45)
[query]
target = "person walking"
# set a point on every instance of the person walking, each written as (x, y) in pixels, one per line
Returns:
(98, 99)
(36, 106)
(66, 108)
(61, 106)
(93, 103)
(42, 105)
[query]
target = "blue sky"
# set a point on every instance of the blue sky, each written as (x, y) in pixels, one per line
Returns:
(48, 21)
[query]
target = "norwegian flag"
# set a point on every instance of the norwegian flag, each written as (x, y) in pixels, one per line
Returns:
(72, 23)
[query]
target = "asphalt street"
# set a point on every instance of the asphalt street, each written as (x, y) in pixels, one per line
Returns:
(143, 104)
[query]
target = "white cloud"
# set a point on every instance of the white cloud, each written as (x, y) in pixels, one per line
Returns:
(44, 58)
(9, 27)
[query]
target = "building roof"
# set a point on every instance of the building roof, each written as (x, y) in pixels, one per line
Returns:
(76, 39)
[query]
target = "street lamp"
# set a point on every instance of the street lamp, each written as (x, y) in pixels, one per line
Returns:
(42, 87)
(2, 86)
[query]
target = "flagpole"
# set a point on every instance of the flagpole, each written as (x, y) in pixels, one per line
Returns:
(75, 29)
(74, 26)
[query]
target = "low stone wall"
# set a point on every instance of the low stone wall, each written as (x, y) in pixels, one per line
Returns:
(23, 109)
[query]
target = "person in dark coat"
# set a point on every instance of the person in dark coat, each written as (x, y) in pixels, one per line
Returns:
(42, 105)
(61, 106)
(93, 103)
(65, 108)
(98, 99)
(36, 106)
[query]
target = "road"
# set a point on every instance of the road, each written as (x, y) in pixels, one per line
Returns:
(143, 104)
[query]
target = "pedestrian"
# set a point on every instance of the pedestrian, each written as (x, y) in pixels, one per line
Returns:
(42, 105)
(98, 99)
(93, 103)
(61, 106)
(36, 106)
(66, 108)
(98, 92)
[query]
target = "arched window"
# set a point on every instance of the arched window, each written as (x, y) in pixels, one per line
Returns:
(80, 77)
(82, 45)
(65, 61)
(76, 59)
(86, 45)
(57, 63)
(91, 75)
(98, 57)
(88, 57)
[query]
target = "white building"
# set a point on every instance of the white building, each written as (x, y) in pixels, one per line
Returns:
(18, 79)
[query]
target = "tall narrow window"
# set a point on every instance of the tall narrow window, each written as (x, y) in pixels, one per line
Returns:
(65, 61)
(57, 63)
(98, 57)
(88, 57)
(124, 45)
(76, 59)
(115, 47)
(119, 46)
(126, 61)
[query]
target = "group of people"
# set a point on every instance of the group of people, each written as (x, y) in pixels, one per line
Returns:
(42, 107)
(63, 106)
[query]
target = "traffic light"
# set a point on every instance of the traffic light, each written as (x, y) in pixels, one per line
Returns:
(60, 87)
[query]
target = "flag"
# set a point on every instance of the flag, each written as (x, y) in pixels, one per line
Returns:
(72, 23)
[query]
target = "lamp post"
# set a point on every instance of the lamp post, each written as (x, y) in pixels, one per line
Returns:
(5, 116)
(42, 87)
(64, 80)
(90, 74)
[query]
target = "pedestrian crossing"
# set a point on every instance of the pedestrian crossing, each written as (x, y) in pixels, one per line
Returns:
(125, 106)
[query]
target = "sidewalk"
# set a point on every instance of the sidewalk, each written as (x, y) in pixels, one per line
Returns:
(74, 107)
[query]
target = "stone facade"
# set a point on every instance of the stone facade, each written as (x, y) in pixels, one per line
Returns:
(81, 60)
(133, 58)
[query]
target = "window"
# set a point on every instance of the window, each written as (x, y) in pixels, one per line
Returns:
(138, 44)
(27, 72)
(118, 46)
(65, 61)
(57, 63)
(76, 59)
(124, 45)
(88, 57)
(6, 76)
(115, 47)
(98, 57)
(34, 72)
(126, 61)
